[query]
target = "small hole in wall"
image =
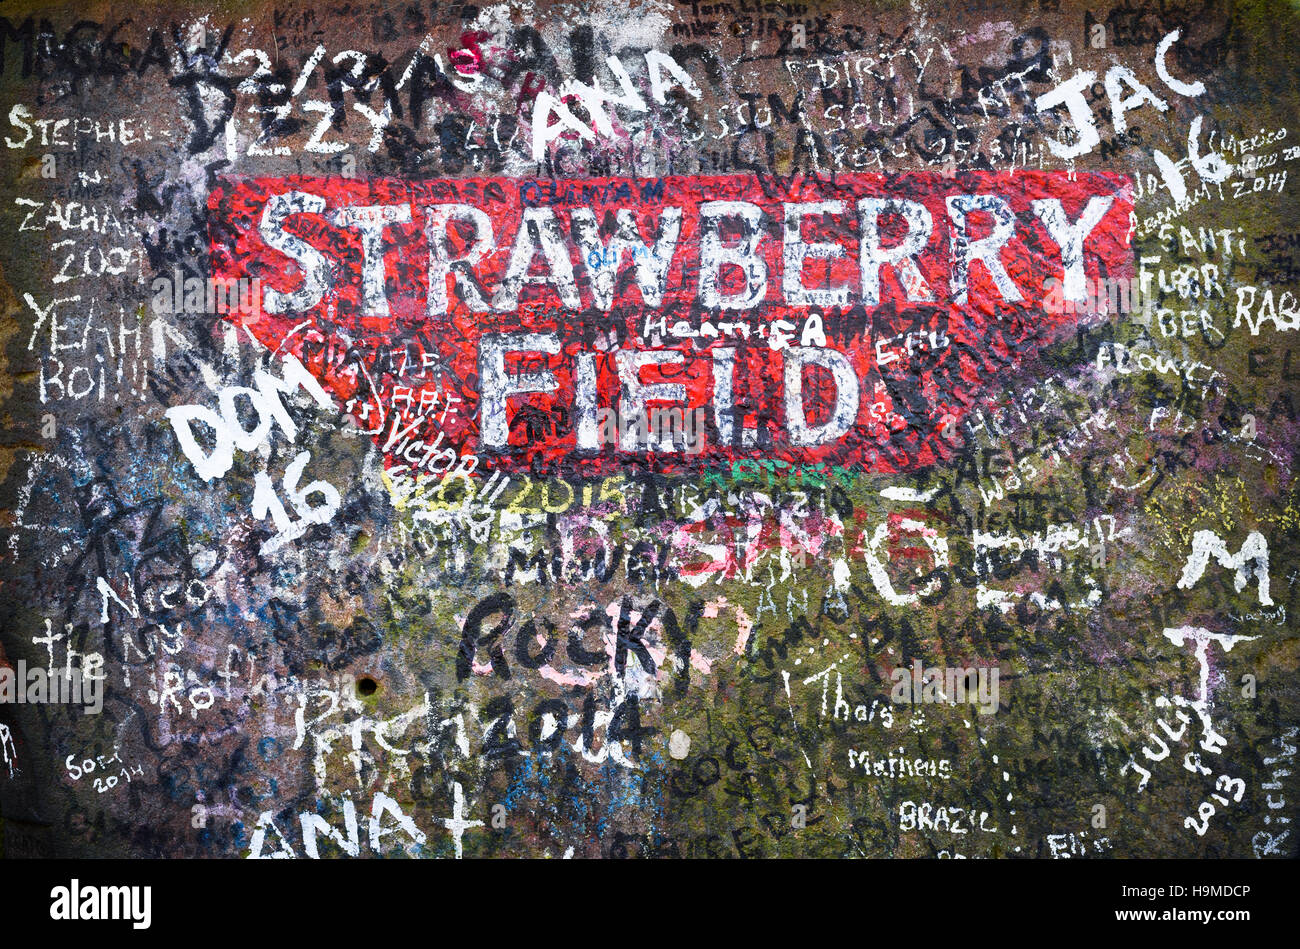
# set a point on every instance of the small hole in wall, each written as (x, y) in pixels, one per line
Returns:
(367, 686)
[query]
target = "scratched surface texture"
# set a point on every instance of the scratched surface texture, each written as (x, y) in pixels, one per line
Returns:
(650, 428)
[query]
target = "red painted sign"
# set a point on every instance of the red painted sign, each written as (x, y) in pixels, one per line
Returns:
(678, 323)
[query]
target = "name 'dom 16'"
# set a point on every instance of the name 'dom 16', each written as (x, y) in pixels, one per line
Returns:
(503, 323)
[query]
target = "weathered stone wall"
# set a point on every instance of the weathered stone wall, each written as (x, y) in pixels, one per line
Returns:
(337, 341)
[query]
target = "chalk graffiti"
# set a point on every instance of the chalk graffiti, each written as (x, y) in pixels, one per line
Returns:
(649, 429)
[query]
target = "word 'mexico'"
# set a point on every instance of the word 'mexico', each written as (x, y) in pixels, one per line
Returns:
(537, 308)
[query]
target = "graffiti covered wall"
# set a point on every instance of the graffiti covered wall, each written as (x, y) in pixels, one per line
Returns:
(656, 429)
